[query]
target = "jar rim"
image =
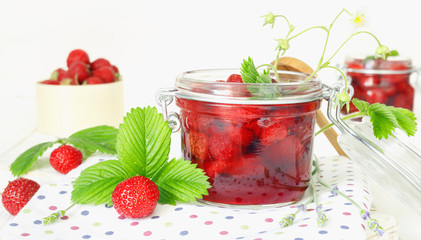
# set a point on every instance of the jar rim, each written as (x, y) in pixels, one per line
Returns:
(379, 66)
(210, 85)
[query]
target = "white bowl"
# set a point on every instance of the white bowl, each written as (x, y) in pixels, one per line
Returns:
(63, 110)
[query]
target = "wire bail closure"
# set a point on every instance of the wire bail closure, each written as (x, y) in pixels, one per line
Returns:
(164, 97)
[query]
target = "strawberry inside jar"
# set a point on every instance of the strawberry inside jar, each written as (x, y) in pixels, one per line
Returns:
(381, 81)
(255, 146)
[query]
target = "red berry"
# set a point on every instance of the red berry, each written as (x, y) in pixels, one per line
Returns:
(287, 152)
(79, 71)
(240, 135)
(214, 167)
(135, 197)
(18, 193)
(197, 144)
(99, 63)
(115, 69)
(375, 95)
(273, 132)
(58, 74)
(235, 78)
(65, 158)
(69, 81)
(368, 80)
(107, 74)
(222, 147)
(93, 80)
(50, 82)
(77, 55)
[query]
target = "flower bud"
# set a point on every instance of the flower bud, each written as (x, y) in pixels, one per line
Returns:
(269, 19)
(382, 51)
(283, 44)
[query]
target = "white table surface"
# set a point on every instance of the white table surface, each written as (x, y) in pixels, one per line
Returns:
(18, 122)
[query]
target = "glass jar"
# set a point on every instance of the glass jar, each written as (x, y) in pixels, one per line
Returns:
(382, 81)
(253, 141)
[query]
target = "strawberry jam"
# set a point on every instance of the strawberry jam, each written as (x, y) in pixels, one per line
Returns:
(381, 81)
(253, 154)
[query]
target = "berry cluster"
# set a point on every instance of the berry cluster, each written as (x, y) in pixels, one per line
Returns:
(252, 154)
(82, 71)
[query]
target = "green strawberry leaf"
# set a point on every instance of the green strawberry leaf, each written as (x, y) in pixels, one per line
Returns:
(24, 162)
(96, 183)
(90, 140)
(249, 73)
(383, 120)
(179, 180)
(406, 120)
(143, 141)
(361, 105)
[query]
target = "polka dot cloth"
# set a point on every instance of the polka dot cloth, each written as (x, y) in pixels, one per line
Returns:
(199, 221)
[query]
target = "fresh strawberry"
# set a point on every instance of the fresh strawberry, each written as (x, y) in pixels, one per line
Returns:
(116, 71)
(135, 197)
(235, 78)
(77, 55)
(65, 158)
(93, 80)
(18, 193)
(79, 71)
(69, 81)
(107, 74)
(58, 74)
(50, 82)
(99, 63)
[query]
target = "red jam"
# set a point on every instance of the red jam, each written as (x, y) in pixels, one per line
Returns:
(381, 81)
(253, 154)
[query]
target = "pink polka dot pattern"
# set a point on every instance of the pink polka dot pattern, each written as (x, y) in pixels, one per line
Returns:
(201, 221)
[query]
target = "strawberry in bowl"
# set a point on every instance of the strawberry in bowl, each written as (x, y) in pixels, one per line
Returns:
(84, 94)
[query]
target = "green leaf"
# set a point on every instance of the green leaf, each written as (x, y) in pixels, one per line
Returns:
(406, 120)
(90, 140)
(23, 163)
(361, 105)
(383, 120)
(249, 73)
(393, 53)
(179, 180)
(143, 141)
(96, 183)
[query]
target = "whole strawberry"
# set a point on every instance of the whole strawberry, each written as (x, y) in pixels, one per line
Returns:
(79, 71)
(65, 158)
(77, 55)
(99, 63)
(135, 197)
(105, 73)
(93, 80)
(50, 82)
(18, 193)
